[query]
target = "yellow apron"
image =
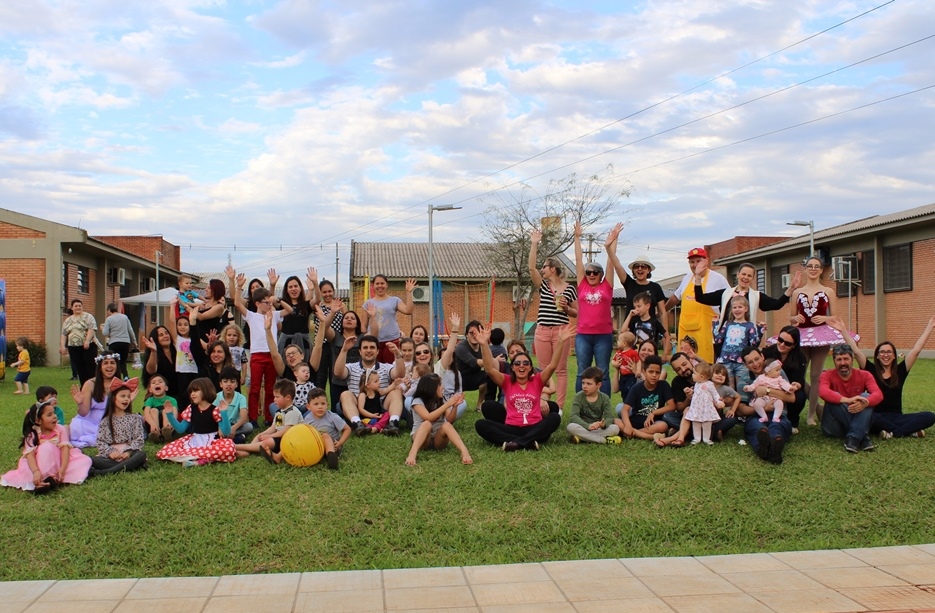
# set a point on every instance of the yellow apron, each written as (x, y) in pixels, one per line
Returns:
(696, 321)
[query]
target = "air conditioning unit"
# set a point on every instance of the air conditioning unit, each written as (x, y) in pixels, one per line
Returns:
(152, 285)
(785, 281)
(118, 276)
(420, 293)
(521, 293)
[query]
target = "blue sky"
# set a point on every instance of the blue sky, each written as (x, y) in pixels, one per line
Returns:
(265, 123)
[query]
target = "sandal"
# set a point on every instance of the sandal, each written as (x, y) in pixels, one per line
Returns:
(677, 443)
(660, 443)
(266, 453)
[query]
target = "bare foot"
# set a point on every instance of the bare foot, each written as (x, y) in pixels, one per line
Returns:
(17, 392)
(466, 458)
(410, 460)
(762, 420)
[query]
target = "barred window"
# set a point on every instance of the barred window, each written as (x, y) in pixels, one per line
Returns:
(897, 268)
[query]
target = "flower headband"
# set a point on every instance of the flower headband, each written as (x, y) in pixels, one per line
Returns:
(131, 384)
(107, 356)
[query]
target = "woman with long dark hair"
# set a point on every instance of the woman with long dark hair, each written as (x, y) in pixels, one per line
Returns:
(788, 350)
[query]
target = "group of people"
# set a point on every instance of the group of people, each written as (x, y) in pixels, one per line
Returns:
(293, 346)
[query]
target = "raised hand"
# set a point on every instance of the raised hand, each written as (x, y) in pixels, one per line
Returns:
(482, 335)
(613, 235)
(231, 273)
(149, 343)
(212, 335)
(312, 276)
(535, 237)
(241, 281)
(578, 229)
(349, 343)
(76, 394)
(566, 333)
(371, 309)
(455, 320)
(273, 277)
(337, 305)
(410, 285)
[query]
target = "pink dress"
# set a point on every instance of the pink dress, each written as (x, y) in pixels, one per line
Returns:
(812, 334)
(49, 460)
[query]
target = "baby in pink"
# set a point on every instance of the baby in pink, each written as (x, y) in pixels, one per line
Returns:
(771, 378)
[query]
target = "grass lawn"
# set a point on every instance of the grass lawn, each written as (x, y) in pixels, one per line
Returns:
(564, 502)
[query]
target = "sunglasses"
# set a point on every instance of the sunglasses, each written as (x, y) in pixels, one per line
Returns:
(423, 352)
(593, 273)
(783, 341)
(522, 363)
(637, 266)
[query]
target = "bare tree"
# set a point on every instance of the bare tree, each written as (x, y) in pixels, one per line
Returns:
(512, 215)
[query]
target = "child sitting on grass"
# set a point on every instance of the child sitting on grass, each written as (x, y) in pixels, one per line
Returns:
(22, 366)
(234, 404)
(48, 458)
(334, 430)
(154, 417)
(203, 420)
(592, 417)
(267, 442)
(120, 435)
(432, 417)
(369, 406)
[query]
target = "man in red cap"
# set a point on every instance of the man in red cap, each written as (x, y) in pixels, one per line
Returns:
(696, 320)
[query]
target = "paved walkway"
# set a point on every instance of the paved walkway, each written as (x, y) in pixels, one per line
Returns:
(879, 579)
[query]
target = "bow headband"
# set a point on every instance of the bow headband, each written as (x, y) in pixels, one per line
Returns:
(131, 384)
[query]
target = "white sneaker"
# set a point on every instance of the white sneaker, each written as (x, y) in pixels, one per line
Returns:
(885, 435)
(741, 442)
(795, 431)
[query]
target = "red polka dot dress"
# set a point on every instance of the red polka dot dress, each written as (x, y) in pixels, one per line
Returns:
(203, 443)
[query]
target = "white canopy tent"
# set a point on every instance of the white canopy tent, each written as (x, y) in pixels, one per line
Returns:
(163, 297)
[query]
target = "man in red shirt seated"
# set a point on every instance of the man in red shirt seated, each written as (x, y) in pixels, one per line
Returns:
(849, 396)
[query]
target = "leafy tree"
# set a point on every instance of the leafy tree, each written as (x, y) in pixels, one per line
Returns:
(512, 215)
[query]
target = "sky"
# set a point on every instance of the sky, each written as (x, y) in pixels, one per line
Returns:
(268, 132)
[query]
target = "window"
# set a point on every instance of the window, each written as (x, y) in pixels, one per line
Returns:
(84, 280)
(868, 272)
(897, 268)
(846, 267)
(776, 273)
(761, 279)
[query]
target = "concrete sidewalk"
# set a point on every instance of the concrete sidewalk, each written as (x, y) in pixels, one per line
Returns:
(873, 579)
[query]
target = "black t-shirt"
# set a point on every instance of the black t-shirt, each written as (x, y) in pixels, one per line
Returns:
(643, 401)
(297, 321)
(679, 384)
(892, 396)
(632, 288)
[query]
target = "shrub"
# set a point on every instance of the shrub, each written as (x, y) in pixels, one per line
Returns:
(37, 356)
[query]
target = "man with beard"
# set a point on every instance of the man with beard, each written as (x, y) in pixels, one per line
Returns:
(849, 396)
(768, 440)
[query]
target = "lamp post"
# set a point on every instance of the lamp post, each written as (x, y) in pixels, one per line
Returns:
(432, 322)
(811, 233)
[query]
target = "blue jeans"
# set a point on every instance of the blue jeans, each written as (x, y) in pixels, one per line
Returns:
(596, 348)
(838, 422)
(782, 428)
(902, 424)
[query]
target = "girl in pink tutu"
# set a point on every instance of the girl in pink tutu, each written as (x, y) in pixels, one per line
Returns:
(202, 419)
(48, 458)
(812, 314)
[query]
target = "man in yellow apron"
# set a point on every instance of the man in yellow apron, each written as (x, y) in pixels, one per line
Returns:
(696, 320)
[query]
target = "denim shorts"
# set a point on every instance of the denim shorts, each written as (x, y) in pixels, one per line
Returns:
(22, 377)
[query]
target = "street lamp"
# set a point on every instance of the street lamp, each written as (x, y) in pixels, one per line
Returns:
(158, 313)
(432, 322)
(811, 229)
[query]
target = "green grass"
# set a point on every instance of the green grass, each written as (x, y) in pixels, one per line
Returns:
(564, 502)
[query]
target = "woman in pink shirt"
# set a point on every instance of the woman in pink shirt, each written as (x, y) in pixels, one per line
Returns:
(525, 427)
(595, 340)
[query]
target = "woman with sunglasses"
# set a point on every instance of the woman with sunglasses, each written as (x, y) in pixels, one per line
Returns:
(889, 421)
(638, 283)
(525, 426)
(595, 340)
(556, 304)
(794, 364)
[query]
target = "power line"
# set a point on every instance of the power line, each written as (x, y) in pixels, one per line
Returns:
(596, 130)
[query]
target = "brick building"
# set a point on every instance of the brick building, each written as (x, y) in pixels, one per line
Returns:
(47, 264)
(470, 285)
(891, 259)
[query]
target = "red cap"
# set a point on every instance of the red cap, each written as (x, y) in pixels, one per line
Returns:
(698, 252)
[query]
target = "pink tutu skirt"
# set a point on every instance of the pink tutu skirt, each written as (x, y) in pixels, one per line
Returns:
(822, 336)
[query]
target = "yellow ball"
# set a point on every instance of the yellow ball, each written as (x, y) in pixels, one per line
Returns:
(301, 445)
